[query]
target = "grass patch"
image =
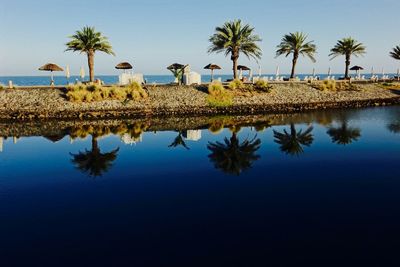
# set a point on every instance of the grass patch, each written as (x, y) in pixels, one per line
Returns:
(236, 84)
(333, 86)
(262, 85)
(218, 95)
(92, 93)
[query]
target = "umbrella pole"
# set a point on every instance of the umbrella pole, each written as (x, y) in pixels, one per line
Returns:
(212, 75)
(51, 81)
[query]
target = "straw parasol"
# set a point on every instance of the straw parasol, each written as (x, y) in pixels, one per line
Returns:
(51, 67)
(357, 69)
(212, 67)
(242, 68)
(124, 66)
(176, 68)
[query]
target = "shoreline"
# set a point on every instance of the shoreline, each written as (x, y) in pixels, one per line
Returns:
(44, 103)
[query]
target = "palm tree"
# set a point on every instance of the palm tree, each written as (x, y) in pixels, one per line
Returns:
(89, 41)
(233, 157)
(93, 161)
(292, 143)
(233, 38)
(395, 53)
(179, 141)
(295, 43)
(347, 47)
(344, 134)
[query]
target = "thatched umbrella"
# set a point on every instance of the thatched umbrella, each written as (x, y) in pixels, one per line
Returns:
(51, 67)
(357, 69)
(177, 70)
(124, 66)
(212, 67)
(242, 68)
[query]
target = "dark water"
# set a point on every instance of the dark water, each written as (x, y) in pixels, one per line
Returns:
(313, 189)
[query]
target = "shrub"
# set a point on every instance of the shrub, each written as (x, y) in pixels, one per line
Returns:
(97, 95)
(327, 85)
(262, 86)
(218, 95)
(118, 93)
(76, 95)
(1, 87)
(135, 91)
(88, 97)
(89, 93)
(215, 88)
(236, 84)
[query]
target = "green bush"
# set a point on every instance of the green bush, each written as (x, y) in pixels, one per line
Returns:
(89, 93)
(218, 95)
(236, 84)
(262, 86)
(1, 87)
(327, 85)
(215, 88)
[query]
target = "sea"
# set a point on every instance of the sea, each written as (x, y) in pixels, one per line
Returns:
(113, 79)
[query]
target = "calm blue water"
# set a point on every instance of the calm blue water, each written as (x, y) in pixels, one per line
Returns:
(113, 79)
(318, 189)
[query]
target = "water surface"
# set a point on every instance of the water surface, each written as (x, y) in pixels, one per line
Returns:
(315, 189)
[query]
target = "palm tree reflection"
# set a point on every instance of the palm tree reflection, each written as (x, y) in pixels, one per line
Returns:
(94, 162)
(233, 157)
(344, 134)
(394, 127)
(292, 142)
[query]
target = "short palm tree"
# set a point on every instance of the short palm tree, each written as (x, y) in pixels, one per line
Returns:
(344, 135)
(234, 38)
(347, 47)
(296, 44)
(233, 156)
(94, 162)
(292, 142)
(89, 41)
(395, 53)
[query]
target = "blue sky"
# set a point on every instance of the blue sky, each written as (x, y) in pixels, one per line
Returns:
(151, 34)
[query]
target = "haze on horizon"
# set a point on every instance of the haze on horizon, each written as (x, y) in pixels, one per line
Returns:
(152, 34)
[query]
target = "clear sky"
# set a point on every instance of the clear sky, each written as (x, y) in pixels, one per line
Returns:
(151, 34)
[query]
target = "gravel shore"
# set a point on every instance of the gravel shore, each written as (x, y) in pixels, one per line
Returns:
(50, 103)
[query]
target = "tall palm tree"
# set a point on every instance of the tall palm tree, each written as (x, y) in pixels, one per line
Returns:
(347, 47)
(233, 157)
(395, 53)
(296, 44)
(89, 41)
(93, 162)
(344, 134)
(232, 39)
(292, 142)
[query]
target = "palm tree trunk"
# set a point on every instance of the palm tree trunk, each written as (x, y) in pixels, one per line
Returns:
(294, 62)
(90, 56)
(234, 58)
(346, 73)
(235, 68)
(95, 146)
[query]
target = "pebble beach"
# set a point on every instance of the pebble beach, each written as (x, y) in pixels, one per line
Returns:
(51, 103)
